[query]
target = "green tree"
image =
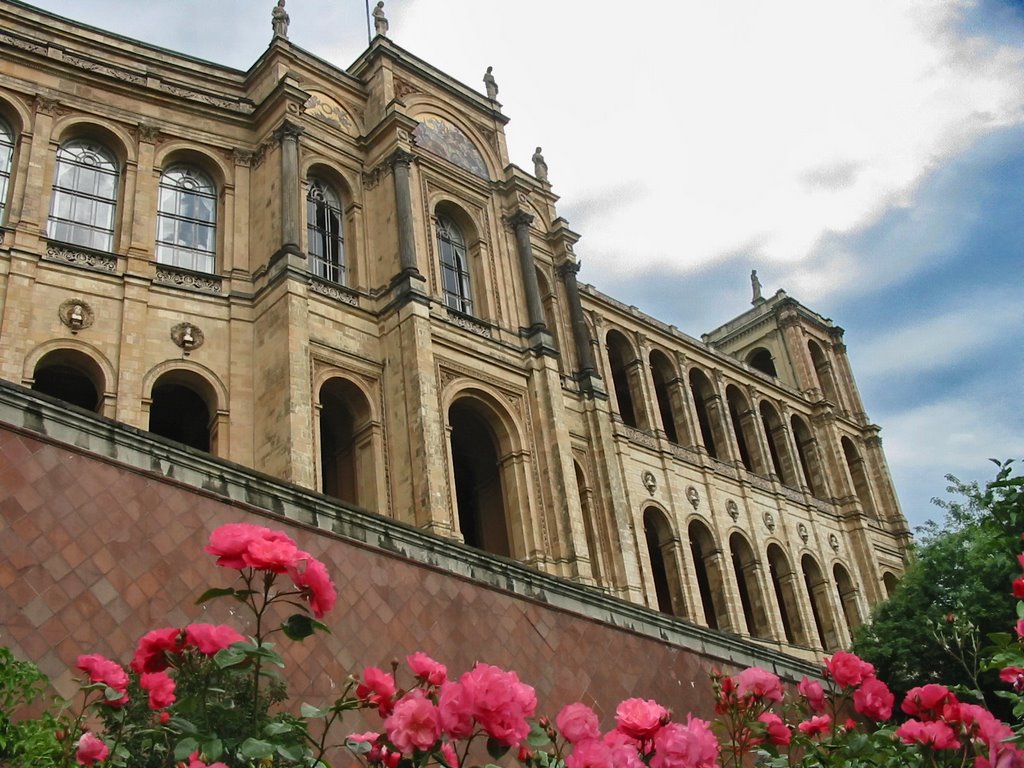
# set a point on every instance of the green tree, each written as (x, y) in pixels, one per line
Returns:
(955, 592)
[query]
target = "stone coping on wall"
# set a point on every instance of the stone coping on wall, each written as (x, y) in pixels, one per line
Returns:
(138, 450)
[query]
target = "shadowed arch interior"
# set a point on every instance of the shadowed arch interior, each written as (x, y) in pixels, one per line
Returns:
(707, 567)
(182, 409)
(663, 373)
(661, 549)
(751, 598)
(786, 596)
(346, 444)
(817, 590)
(847, 594)
(761, 360)
(621, 358)
(702, 391)
(71, 376)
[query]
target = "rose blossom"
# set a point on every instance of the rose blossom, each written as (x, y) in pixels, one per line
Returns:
(160, 687)
(230, 542)
(640, 718)
(210, 638)
(776, 730)
(624, 749)
(816, 725)
(195, 762)
(812, 691)
(377, 688)
(456, 709)
(590, 754)
(501, 704)
(448, 753)
(312, 578)
(685, 746)
(273, 551)
(755, 682)
(102, 670)
(426, 669)
(153, 647)
(927, 701)
(414, 723)
(874, 700)
(1018, 587)
(848, 669)
(936, 734)
(578, 722)
(1014, 676)
(91, 749)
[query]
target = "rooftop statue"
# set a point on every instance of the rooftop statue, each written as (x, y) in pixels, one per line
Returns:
(380, 21)
(490, 84)
(540, 167)
(279, 20)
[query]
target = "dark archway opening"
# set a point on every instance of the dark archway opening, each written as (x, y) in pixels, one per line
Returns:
(179, 413)
(478, 487)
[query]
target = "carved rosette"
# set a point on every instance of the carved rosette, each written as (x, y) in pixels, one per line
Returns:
(187, 336)
(76, 315)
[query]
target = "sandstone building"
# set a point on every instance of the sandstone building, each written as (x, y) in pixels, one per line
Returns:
(338, 278)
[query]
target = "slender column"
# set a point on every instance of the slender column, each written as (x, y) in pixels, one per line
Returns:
(400, 162)
(288, 135)
(520, 222)
(581, 335)
(849, 384)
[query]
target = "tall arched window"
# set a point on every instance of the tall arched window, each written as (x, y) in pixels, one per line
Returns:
(454, 266)
(186, 230)
(325, 241)
(84, 195)
(6, 161)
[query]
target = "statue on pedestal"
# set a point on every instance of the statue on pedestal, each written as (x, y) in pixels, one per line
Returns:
(380, 21)
(279, 20)
(490, 84)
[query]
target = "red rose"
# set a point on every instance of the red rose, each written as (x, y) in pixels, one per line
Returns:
(578, 722)
(102, 670)
(874, 700)
(927, 701)
(414, 723)
(160, 687)
(310, 576)
(590, 754)
(757, 683)
(91, 749)
(426, 669)
(812, 691)
(456, 708)
(640, 718)
(848, 669)
(210, 638)
(378, 688)
(936, 735)
(776, 730)
(151, 652)
(501, 704)
(816, 725)
(685, 746)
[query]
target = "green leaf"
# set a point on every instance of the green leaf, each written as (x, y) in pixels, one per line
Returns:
(230, 657)
(308, 710)
(276, 729)
(212, 748)
(215, 592)
(256, 748)
(183, 725)
(298, 626)
(538, 736)
(185, 747)
(292, 752)
(496, 749)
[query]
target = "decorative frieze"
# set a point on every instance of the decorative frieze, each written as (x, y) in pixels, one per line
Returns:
(469, 324)
(105, 262)
(185, 279)
(334, 291)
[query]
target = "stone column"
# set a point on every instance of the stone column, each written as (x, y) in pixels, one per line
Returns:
(849, 384)
(288, 134)
(520, 222)
(400, 162)
(581, 335)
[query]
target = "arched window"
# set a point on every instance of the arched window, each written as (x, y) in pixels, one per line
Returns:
(454, 266)
(6, 161)
(71, 376)
(186, 230)
(325, 241)
(661, 549)
(84, 195)
(347, 460)
(761, 359)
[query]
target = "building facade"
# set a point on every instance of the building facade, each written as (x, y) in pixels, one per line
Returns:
(338, 278)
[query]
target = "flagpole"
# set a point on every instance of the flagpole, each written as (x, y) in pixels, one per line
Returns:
(369, 37)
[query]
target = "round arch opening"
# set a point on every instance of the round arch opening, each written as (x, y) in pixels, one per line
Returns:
(71, 376)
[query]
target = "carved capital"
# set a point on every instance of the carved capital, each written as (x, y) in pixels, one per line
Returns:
(399, 157)
(567, 268)
(147, 133)
(47, 106)
(288, 130)
(520, 219)
(241, 157)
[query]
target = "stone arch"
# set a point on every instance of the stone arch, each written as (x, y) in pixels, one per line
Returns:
(109, 134)
(440, 140)
(185, 153)
(858, 474)
(83, 356)
(823, 372)
(663, 374)
(662, 553)
(821, 604)
(761, 359)
(778, 444)
(71, 375)
(348, 434)
(890, 581)
(806, 449)
(175, 389)
(622, 362)
(703, 394)
(549, 303)
(16, 113)
(591, 525)
(450, 278)
(847, 594)
(741, 417)
(746, 568)
(787, 596)
(489, 473)
(707, 564)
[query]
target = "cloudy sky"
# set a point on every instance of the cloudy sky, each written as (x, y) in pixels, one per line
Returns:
(867, 157)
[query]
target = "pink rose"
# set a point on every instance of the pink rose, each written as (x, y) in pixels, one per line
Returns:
(210, 638)
(816, 725)
(640, 718)
(936, 735)
(501, 704)
(590, 754)
(926, 702)
(874, 700)
(426, 669)
(624, 749)
(230, 542)
(578, 722)
(160, 687)
(91, 749)
(448, 753)
(776, 730)
(151, 652)
(758, 683)
(848, 669)
(377, 688)
(1014, 676)
(274, 551)
(685, 746)
(456, 708)
(414, 724)
(195, 762)
(102, 670)
(312, 578)
(1020, 627)
(812, 691)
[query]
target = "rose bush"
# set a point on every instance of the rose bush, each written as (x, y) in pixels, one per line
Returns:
(200, 696)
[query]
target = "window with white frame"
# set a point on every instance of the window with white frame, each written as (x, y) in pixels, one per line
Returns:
(451, 245)
(84, 195)
(325, 240)
(186, 230)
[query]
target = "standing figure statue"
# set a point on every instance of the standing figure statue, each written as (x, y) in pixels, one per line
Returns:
(380, 21)
(279, 20)
(490, 84)
(540, 168)
(755, 286)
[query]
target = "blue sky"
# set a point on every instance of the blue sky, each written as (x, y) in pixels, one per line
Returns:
(866, 157)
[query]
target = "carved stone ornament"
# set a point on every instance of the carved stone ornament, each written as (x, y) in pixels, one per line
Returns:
(186, 279)
(833, 541)
(733, 509)
(802, 532)
(650, 483)
(187, 336)
(693, 496)
(88, 259)
(769, 521)
(76, 314)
